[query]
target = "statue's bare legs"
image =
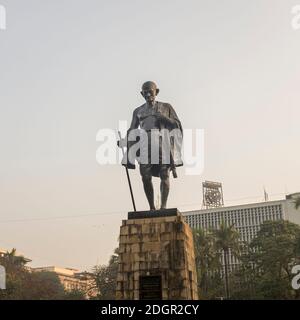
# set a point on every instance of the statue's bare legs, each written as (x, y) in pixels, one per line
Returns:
(148, 187)
(164, 186)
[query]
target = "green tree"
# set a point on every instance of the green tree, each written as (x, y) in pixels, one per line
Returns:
(42, 285)
(272, 254)
(244, 276)
(22, 284)
(15, 274)
(207, 264)
(227, 241)
(75, 295)
(105, 278)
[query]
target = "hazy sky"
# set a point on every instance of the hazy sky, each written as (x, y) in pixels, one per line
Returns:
(69, 68)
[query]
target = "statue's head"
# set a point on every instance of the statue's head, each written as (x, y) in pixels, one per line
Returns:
(149, 91)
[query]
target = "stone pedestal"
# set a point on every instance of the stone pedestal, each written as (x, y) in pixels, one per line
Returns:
(156, 257)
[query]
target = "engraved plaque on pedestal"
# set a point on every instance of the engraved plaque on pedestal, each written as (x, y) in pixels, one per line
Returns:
(150, 288)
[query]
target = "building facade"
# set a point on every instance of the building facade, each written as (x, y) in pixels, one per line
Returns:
(71, 279)
(246, 218)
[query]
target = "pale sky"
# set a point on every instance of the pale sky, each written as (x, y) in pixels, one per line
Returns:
(69, 68)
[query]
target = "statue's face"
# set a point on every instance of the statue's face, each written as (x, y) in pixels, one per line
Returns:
(149, 92)
(149, 95)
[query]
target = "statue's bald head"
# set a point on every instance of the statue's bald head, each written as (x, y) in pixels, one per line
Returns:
(149, 91)
(149, 85)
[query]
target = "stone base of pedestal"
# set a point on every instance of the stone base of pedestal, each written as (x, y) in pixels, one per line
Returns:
(156, 257)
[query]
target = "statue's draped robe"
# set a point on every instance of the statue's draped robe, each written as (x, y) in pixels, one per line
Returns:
(147, 120)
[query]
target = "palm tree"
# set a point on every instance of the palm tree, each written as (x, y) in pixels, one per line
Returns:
(207, 260)
(15, 260)
(227, 240)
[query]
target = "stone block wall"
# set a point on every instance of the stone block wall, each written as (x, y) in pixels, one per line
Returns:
(160, 246)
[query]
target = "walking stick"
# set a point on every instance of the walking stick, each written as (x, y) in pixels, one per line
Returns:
(127, 173)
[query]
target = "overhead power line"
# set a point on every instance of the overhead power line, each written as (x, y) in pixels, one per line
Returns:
(111, 213)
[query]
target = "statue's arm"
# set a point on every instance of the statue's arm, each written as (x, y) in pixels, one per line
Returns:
(134, 125)
(172, 119)
(135, 121)
(177, 122)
